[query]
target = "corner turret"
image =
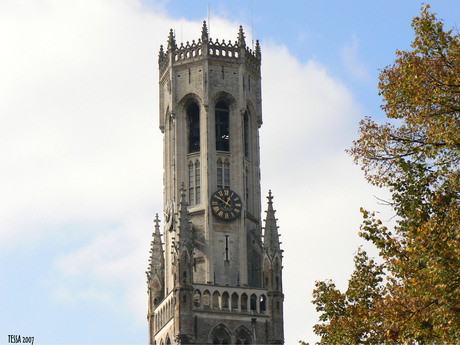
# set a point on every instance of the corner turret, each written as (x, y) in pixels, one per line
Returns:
(272, 274)
(271, 236)
(183, 274)
(155, 273)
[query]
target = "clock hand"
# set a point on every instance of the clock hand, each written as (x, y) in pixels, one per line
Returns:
(226, 202)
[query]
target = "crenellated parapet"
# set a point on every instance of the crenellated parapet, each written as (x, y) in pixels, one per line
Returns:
(205, 47)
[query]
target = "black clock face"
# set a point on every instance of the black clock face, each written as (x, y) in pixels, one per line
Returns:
(226, 204)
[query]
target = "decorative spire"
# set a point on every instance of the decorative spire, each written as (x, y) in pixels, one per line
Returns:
(258, 53)
(204, 32)
(155, 273)
(161, 54)
(185, 225)
(271, 237)
(171, 41)
(241, 41)
(157, 261)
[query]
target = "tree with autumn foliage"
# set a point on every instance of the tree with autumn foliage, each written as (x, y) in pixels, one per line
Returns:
(413, 294)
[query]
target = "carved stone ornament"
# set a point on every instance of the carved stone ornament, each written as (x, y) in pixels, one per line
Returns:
(169, 215)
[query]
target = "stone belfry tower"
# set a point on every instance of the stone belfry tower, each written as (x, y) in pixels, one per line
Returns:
(214, 279)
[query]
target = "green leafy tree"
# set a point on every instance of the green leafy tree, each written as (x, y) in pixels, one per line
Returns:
(414, 295)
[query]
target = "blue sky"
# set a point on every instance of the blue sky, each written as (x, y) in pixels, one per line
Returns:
(81, 167)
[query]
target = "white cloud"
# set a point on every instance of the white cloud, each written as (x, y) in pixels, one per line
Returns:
(352, 62)
(310, 118)
(79, 115)
(81, 148)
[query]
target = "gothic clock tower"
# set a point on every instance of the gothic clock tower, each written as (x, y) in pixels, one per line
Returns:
(215, 279)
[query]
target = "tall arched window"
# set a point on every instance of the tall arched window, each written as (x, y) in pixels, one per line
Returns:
(222, 127)
(253, 303)
(263, 303)
(197, 182)
(215, 300)
(193, 121)
(225, 300)
(194, 183)
(244, 302)
(223, 174)
(235, 299)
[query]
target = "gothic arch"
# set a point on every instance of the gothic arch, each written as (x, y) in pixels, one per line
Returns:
(244, 302)
(253, 113)
(189, 111)
(189, 98)
(166, 118)
(243, 335)
(206, 299)
(223, 108)
(222, 96)
(220, 335)
(235, 300)
(197, 298)
(215, 300)
(262, 303)
(250, 107)
(253, 302)
(225, 300)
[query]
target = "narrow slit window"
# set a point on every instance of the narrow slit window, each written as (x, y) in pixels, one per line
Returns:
(246, 187)
(246, 135)
(226, 248)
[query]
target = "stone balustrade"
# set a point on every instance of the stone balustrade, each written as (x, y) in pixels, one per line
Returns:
(230, 299)
(216, 298)
(194, 50)
(164, 312)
